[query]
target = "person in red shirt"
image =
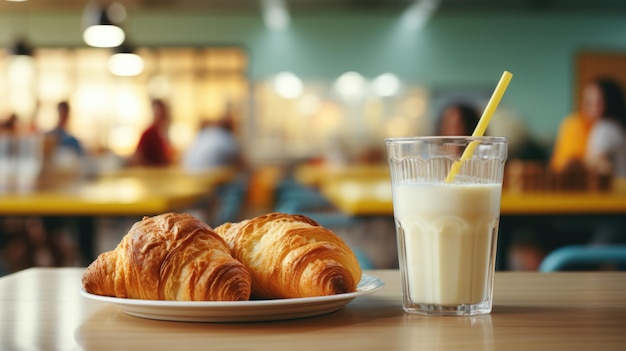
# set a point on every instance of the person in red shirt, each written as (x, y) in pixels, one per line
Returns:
(154, 148)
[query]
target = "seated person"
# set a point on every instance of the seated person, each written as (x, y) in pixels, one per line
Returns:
(214, 146)
(154, 148)
(457, 119)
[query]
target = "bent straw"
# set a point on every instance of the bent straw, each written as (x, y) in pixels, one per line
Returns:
(482, 123)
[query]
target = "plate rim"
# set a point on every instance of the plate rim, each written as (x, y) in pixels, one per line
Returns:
(377, 285)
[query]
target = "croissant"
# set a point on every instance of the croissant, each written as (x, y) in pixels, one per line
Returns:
(292, 256)
(169, 257)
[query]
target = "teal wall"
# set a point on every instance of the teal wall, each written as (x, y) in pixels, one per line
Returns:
(469, 50)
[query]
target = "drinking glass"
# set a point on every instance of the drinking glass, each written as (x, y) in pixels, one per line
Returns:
(447, 224)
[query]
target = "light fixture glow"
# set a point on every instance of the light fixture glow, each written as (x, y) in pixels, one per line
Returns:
(104, 36)
(101, 25)
(21, 78)
(125, 64)
(288, 85)
(275, 14)
(386, 85)
(416, 15)
(350, 85)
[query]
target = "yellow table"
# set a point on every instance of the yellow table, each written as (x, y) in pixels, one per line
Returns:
(129, 192)
(133, 192)
(41, 309)
(366, 190)
(316, 174)
(372, 196)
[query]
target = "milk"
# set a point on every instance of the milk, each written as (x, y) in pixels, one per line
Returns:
(446, 240)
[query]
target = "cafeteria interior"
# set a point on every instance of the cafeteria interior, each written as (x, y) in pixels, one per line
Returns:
(310, 98)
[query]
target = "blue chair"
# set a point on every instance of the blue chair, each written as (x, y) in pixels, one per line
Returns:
(292, 197)
(231, 199)
(580, 257)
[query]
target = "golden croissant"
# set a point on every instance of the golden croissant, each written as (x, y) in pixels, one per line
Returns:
(169, 257)
(292, 256)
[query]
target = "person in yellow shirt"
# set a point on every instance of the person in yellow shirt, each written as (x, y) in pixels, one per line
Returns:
(571, 141)
(602, 98)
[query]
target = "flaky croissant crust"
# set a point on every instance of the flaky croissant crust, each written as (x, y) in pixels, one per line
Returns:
(169, 257)
(292, 256)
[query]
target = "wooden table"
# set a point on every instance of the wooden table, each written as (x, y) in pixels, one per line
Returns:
(41, 309)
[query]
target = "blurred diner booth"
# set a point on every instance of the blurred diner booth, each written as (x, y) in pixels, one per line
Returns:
(304, 115)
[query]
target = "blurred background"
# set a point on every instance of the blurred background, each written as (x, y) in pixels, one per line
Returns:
(300, 83)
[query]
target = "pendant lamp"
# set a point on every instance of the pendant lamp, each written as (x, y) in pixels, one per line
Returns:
(125, 62)
(21, 47)
(100, 30)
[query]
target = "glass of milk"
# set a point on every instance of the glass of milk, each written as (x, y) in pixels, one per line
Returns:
(447, 227)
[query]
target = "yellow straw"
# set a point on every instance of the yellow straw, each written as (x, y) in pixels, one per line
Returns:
(482, 123)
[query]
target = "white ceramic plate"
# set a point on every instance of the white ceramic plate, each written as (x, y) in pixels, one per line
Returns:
(240, 311)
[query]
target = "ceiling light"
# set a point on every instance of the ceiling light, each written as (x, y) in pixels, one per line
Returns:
(125, 62)
(21, 48)
(100, 30)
